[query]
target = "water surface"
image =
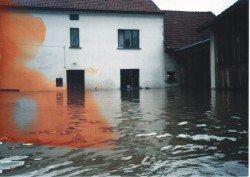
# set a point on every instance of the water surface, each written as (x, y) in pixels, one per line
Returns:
(160, 132)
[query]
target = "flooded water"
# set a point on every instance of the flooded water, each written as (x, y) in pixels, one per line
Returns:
(155, 132)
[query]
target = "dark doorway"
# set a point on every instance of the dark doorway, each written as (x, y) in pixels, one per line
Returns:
(75, 79)
(129, 78)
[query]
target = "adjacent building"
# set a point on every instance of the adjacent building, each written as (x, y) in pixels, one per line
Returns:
(187, 50)
(229, 47)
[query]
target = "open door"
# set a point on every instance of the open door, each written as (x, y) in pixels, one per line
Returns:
(129, 78)
(75, 79)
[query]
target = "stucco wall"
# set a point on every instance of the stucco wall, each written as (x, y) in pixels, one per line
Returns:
(99, 55)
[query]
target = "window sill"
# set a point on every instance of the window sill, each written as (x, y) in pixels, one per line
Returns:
(129, 48)
(75, 48)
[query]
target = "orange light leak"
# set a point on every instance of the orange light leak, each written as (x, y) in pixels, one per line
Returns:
(21, 36)
(50, 118)
(8, 2)
(43, 118)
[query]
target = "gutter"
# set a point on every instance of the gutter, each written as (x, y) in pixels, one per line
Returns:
(192, 45)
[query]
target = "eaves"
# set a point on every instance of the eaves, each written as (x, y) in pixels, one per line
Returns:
(84, 10)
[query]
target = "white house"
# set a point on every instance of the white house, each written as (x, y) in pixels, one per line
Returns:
(54, 45)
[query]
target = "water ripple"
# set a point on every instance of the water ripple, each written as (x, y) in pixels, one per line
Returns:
(161, 132)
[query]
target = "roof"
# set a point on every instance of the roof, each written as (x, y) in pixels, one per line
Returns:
(236, 7)
(180, 28)
(145, 6)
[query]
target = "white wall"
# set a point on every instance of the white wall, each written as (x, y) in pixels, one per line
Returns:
(99, 55)
(212, 61)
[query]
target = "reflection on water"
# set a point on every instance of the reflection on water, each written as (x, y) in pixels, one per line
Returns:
(131, 95)
(158, 132)
(54, 119)
(24, 112)
(59, 98)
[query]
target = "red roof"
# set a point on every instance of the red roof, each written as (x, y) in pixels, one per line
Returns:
(90, 5)
(180, 28)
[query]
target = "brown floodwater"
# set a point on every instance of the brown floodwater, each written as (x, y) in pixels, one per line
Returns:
(155, 132)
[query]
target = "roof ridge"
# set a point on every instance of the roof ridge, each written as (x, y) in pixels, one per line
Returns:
(187, 11)
(145, 6)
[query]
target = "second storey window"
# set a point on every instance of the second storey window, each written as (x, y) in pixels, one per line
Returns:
(74, 38)
(128, 39)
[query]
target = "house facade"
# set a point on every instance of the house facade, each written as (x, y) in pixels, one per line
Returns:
(47, 45)
(187, 51)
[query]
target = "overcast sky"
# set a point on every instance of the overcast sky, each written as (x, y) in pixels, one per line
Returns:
(216, 6)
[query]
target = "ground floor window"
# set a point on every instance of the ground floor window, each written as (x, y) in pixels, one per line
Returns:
(171, 77)
(59, 82)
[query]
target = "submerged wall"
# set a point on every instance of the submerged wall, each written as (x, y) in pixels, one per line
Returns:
(35, 49)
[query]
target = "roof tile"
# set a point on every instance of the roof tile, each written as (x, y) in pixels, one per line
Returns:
(180, 28)
(99, 5)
